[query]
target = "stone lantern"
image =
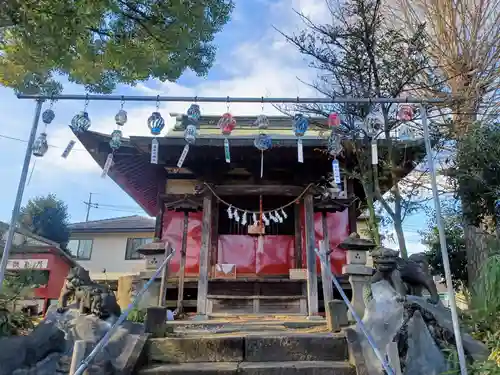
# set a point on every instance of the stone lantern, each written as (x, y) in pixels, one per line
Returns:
(153, 254)
(359, 274)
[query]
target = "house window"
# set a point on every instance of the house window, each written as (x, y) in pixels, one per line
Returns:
(80, 249)
(132, 245)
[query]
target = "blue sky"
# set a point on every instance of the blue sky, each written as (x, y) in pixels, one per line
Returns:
(252, 60)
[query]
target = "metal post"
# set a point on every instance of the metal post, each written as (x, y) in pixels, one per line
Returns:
(20, 192)
(227, 99)
(442, 241)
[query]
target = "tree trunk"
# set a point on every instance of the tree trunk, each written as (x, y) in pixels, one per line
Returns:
(398, 227)
(372, 221)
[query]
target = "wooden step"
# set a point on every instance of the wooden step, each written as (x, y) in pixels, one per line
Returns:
(253, 368)
(261, 347)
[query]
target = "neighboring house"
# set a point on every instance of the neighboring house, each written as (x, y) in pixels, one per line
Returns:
(38, 254)
(107, 248)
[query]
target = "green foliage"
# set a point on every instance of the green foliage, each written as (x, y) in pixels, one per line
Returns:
(478, 171)
(99, 43)
(137, 315)
(455, 243)
(485, 300)
(17, 286)
(47, 217)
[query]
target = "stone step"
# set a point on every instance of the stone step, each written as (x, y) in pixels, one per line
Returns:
(249, 348)
(253, 368)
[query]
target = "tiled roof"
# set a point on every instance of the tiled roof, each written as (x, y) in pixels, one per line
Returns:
(133, 223)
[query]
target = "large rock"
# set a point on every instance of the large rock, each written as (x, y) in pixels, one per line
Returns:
(48, 349)
(423, 355)
(422, 330)
(25, 351)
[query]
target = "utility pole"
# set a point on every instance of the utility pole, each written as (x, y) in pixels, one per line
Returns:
(89, 204)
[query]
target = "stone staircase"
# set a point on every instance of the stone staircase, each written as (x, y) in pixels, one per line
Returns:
(249, 348)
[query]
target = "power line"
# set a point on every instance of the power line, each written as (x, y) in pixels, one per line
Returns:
(25, 141)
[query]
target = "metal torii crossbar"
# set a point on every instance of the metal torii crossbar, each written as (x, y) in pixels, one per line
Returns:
(92, 97)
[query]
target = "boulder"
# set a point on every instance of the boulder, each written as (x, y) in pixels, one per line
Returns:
(48, 349)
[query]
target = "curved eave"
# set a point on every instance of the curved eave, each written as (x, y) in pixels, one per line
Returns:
(131, 171)
(145, 182)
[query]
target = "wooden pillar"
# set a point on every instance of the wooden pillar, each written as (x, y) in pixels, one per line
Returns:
(298, 235)
(214, 240)
(352, 210)
(182, 269)
(159, 220)
(204, 255)
(312, 277)
(326, 236)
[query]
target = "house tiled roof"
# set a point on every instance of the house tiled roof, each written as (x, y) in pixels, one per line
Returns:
(133, 223)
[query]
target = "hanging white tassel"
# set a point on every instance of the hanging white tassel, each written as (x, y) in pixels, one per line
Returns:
(283, 213)
(107, 165)
(244, 218)
(254, 219)
(227, 153)
(374, 152)
(300, 151)
(265, 220)
(273, 218)
(277, 216)
(336, 171)
(154, 151)
(236, 215)
(68, 149)
(183, 156)
(229, 213)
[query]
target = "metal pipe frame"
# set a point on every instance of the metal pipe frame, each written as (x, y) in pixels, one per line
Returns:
(227, 99)
(123, 98)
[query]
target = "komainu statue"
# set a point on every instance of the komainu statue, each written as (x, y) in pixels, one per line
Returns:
(90, 297)
(407, 277)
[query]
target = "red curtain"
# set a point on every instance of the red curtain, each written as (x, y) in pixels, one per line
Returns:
(173, 227)
(241, 250)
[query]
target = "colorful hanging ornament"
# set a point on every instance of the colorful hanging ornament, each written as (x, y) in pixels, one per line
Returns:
(156, 123)
(226, 124)
(300, 126)
(262, 122)
(114, 143)
(116, 139)
(79, 123)
(190, 131)
(262, 142)
(405, 112)
(41, 146)
(334, 145)
(333, 120)
(121, 117)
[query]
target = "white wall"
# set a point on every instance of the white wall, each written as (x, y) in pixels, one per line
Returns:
(108, 252)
